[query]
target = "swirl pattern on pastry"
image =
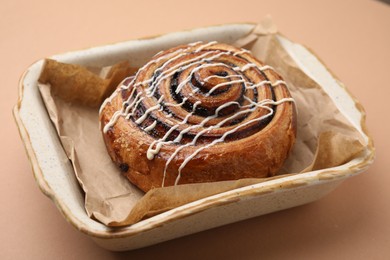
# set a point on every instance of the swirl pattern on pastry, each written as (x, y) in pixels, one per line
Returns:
(197, 113)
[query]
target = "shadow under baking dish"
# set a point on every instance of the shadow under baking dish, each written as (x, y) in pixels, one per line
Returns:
(55, 177)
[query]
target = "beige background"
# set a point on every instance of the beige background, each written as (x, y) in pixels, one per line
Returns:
(351, 37)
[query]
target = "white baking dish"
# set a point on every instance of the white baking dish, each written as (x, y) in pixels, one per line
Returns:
(55, 177)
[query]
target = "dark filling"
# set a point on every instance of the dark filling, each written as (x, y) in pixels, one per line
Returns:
(156, 93)
(222, 73)
(161, 127)
(124, 167)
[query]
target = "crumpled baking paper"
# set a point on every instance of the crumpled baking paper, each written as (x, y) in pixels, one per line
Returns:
(325, 138)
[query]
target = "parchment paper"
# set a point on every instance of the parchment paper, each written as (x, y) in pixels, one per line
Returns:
(324, 139)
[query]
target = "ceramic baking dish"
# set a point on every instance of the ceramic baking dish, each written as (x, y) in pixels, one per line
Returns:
(54, 174)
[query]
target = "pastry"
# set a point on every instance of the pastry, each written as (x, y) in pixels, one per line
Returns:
(201, 112)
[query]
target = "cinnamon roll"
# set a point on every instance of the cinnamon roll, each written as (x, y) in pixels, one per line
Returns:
(201, 112)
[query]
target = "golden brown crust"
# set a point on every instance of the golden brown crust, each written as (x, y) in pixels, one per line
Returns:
(253, 151)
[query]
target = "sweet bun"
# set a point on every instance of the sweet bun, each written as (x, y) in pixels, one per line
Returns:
(201, 112)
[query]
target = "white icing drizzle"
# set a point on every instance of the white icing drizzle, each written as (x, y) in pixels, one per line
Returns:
(264, 82)
(253, 65)
(176, 105)
(221, 77)
(158, 53)
(113, 95)
(189, 44)
(205, 46)
(155, 61)
(158, 143)
(241, 52)
(184, 82)
(108, 100)
(131, 105)
(134, 108)
(201, 61)
(147, 112)
(114, 118)
(194, 43)
(224, 84)
(168, 73)
(221, 139)
(151, 127)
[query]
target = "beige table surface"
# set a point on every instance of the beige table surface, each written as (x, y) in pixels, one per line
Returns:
(351, 37)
